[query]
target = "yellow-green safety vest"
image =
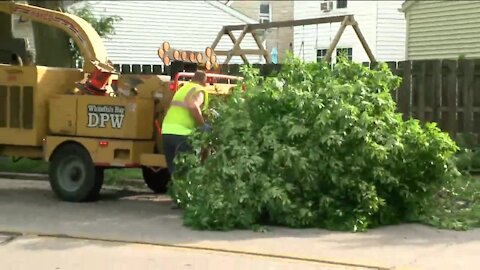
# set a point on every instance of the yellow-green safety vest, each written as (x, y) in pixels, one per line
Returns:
(178, 120)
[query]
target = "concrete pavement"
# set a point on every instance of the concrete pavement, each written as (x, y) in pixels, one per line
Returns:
(47, 253)
(29, 206)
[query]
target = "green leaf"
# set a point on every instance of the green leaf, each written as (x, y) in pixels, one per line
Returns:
(318, 147)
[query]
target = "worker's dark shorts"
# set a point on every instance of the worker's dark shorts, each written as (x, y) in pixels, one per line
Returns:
(172, 145)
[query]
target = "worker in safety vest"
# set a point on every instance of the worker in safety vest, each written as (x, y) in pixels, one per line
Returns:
(183, 117)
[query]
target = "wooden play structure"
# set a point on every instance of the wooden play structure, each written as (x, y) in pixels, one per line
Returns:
(345, 21)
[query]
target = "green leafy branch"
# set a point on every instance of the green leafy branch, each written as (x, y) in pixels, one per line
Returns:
(314, 146)
(104, 25)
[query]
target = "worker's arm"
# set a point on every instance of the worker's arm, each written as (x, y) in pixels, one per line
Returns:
(194, 104)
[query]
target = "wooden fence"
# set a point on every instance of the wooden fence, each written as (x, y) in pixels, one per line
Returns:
(232, 69)
(443, 91)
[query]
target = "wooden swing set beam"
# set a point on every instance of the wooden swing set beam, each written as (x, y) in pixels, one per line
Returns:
(290, 23)
(345, 21)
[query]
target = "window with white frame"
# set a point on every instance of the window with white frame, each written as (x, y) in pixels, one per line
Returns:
(265, 13)
(321, 54)
(348, 52)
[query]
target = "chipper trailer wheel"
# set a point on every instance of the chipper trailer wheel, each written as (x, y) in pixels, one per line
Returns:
(157, 181)
(73, 176)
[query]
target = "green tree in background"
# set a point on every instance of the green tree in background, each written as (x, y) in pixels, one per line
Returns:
(53, 46)
(104, 26)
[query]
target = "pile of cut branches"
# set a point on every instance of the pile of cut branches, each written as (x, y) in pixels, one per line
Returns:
(312, 147)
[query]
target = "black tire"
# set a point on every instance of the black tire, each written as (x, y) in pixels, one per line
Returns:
(156, 181)
(73, 176)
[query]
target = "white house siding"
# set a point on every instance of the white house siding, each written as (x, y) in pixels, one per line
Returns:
(443, 29)
(390, 31)
(145, 25)
(379, 28)
(23, 30)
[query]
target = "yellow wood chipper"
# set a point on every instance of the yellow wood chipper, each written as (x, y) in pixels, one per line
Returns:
(77, 119)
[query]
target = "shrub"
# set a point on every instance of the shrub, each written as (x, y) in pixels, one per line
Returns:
(312, 147)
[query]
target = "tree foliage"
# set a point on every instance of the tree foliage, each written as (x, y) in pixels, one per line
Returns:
(104, 25)
(312, 147)
(56, 48)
